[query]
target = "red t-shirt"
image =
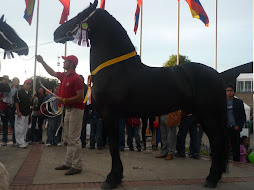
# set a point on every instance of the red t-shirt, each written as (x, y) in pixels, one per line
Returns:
(69, 86)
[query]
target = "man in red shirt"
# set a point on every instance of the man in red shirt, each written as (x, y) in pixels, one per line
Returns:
(71, 95)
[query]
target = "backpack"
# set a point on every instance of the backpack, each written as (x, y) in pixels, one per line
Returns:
(173, 119)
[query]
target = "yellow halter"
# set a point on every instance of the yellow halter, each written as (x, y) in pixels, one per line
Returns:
(103, 65)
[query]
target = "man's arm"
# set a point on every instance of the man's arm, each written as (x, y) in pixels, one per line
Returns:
(79, 97)
(17, 108)
(45, 65)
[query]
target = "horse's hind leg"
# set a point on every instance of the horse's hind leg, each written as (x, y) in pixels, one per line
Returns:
(116, 174)
(217, 134)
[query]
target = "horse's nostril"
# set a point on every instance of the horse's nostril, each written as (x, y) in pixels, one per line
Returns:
(14, 45)
(69, 34)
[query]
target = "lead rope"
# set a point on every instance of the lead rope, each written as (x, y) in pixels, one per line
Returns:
(54, 112)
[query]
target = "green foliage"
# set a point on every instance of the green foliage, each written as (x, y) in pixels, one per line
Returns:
(173, 59)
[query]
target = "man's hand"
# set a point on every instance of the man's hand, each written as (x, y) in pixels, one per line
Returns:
(60, 100)
(39, 58)
(236, 128)
(19, 114)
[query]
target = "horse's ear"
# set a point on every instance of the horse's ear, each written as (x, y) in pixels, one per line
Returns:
(2, 18)
(94, 5)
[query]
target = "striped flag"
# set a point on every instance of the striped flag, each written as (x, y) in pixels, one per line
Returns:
(29, 10)
(102, 4)
(198, 11)
(66, 10)
(137, 15)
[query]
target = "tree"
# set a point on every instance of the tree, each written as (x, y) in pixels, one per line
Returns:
(47, 82)
(173, 58)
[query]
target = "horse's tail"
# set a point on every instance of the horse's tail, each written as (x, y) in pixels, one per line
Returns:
(225, 139)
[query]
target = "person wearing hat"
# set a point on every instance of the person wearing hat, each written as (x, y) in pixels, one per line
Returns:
(71, 95)
(4, 90)
(9, 113)
(22, 100)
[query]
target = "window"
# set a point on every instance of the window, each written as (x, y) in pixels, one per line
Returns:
(247, 86)
(240, 86)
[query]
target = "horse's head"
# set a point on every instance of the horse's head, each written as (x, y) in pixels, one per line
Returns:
(66, 31)
(10, 41)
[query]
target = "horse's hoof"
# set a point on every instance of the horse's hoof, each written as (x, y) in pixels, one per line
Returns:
(210, 184)
(106, 185)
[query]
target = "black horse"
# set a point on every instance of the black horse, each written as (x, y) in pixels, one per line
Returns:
(10, 41)
(130, 88)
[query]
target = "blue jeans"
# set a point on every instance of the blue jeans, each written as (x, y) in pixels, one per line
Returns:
(83, 131)
(53, 124)
(188, 124)
(122, 132)
(96, 133)
(9, 117)
(133, 132)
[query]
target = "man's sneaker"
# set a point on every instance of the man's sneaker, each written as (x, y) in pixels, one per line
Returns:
(4, 144)
(30, 142)
(73, 171)
(59, 144)
(41, 142)
(23, 146)
(63, 167)
(47, 144)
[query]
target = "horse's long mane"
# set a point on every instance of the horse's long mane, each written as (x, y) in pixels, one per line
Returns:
(111, 28)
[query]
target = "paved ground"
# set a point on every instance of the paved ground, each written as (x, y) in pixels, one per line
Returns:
(33, 168)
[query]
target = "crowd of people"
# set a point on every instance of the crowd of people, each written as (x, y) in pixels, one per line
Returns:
(22, 110)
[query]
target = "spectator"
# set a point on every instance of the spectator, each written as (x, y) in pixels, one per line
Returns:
(122, 133)
(22, 100)
(244, 146)
(132, 125)
(54, 123)
(71, 94)
(37, 117)
(188, 123)
(96, 130)
(168, 124)
(153, 129)
(85, 116)
(236, 119)
(5, 108)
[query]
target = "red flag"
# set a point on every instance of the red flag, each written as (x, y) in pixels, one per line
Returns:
(102, 4)
(29, 10)
(66, 9)
(139, 3)
(137, 15)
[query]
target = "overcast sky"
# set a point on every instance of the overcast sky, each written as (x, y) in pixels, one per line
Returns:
(235, 33)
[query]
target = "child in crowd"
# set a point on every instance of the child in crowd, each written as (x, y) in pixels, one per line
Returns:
(244, 149)
(5, 89)
(132, 125)
(54, 123)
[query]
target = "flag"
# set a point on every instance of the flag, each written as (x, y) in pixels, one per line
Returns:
(198, 11)
(102, 4)
(29, 10)
(137, 15)
(66, 9)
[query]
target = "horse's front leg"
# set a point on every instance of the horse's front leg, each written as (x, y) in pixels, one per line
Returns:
(116, 174)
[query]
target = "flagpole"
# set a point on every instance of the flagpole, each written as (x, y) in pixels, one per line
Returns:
(216, 16)
(141, 22)
(178, 31)
(36, 43)
(253, 74)
(65, 48)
